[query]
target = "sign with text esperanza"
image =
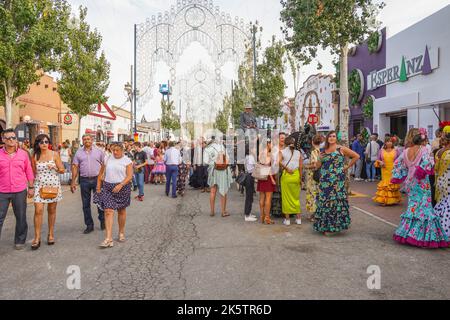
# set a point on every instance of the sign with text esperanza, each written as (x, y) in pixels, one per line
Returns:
(410, 67)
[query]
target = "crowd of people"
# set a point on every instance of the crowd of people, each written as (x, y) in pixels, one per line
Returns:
(107, 174)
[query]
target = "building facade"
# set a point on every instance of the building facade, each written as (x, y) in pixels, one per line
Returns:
(416, 78)
(362, 61)
(37, 111)
(318, 97)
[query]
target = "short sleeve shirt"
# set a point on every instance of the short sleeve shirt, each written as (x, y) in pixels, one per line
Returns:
(140, 158)
(116, 169)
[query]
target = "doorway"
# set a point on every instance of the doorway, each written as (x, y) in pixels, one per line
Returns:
(399, 125)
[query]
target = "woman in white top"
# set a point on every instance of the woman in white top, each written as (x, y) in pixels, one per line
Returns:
(291, 164)
(114, 190)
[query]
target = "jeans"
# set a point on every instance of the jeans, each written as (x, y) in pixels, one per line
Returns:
(370, 169)
(87, 187)
(67, 166)
(134, 182)
(358, 168)
(249, 191)
(19, 204)
(171, 178)
(139, 177)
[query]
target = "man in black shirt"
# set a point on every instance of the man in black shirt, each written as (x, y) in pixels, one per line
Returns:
(139, 162)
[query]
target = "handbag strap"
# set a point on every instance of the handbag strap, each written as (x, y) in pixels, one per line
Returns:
(290, 159)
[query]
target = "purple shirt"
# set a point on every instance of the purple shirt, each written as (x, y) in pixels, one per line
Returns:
(89, 162)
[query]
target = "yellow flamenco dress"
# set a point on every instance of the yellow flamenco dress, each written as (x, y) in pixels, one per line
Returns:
(387, 193)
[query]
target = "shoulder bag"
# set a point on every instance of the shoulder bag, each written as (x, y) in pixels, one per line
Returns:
(261, 172)
(47, 192)
(221, 162)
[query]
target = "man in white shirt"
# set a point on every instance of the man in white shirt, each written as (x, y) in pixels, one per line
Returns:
(371, 153)
(172, 159)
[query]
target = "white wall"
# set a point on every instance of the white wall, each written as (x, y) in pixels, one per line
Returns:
(420, 90)
(324, 87)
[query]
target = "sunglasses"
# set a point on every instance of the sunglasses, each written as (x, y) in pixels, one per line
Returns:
(44, 142)
(11, 138)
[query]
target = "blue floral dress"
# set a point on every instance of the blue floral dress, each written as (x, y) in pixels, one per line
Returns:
(419, 225)
(332, 213)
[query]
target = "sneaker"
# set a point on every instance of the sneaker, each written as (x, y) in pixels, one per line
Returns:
(250, 219)
(287, 222)
(19, 246)
(253, 216)
(298, 221)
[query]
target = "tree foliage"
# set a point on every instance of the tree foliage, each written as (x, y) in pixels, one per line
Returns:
(223, 117)
(31, 40)
(242, 92)
(329, 24)
(84, 69)
(169, 120)
(270, 83)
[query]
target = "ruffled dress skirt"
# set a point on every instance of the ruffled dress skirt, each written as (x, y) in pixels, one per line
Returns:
(420, 226)
(442, 210)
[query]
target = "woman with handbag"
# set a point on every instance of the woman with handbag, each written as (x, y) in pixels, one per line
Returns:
(291, 164)
(114, 192)
(47, 166)
(219, 175)
(266, 182)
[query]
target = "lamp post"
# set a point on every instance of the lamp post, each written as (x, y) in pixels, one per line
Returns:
(129, 90)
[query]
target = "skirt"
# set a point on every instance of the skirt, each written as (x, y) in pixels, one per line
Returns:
(106, 199)
(290, 193)
(160, 168)
(265, 186)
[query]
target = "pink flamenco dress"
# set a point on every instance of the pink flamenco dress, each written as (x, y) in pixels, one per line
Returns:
(420, 226)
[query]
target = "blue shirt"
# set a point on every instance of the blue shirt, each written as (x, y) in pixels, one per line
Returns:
(358, 148)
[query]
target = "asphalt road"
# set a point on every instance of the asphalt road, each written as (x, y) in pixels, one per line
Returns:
(175, 250)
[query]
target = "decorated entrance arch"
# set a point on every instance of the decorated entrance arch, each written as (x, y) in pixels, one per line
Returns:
(165, 36)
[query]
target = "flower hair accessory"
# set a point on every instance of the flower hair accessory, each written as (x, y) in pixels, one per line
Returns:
(447, 129)
(423, 133)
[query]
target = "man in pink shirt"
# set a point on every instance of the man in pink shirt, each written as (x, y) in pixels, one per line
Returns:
(16, 178)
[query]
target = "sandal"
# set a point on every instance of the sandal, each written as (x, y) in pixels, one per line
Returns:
(35, 245)
(212, 214)
(50, 243)
(121, 238)
(226, 214)
(268, 221)
(106, 244)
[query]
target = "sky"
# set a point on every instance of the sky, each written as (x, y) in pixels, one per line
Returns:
(115, 20)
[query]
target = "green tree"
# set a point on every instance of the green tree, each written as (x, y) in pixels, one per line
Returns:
(31, 39)
(223, 117)
(169, 120)
(84, 69)
(294, 65)
(270, 83)
(333, 24)
(242, 91)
